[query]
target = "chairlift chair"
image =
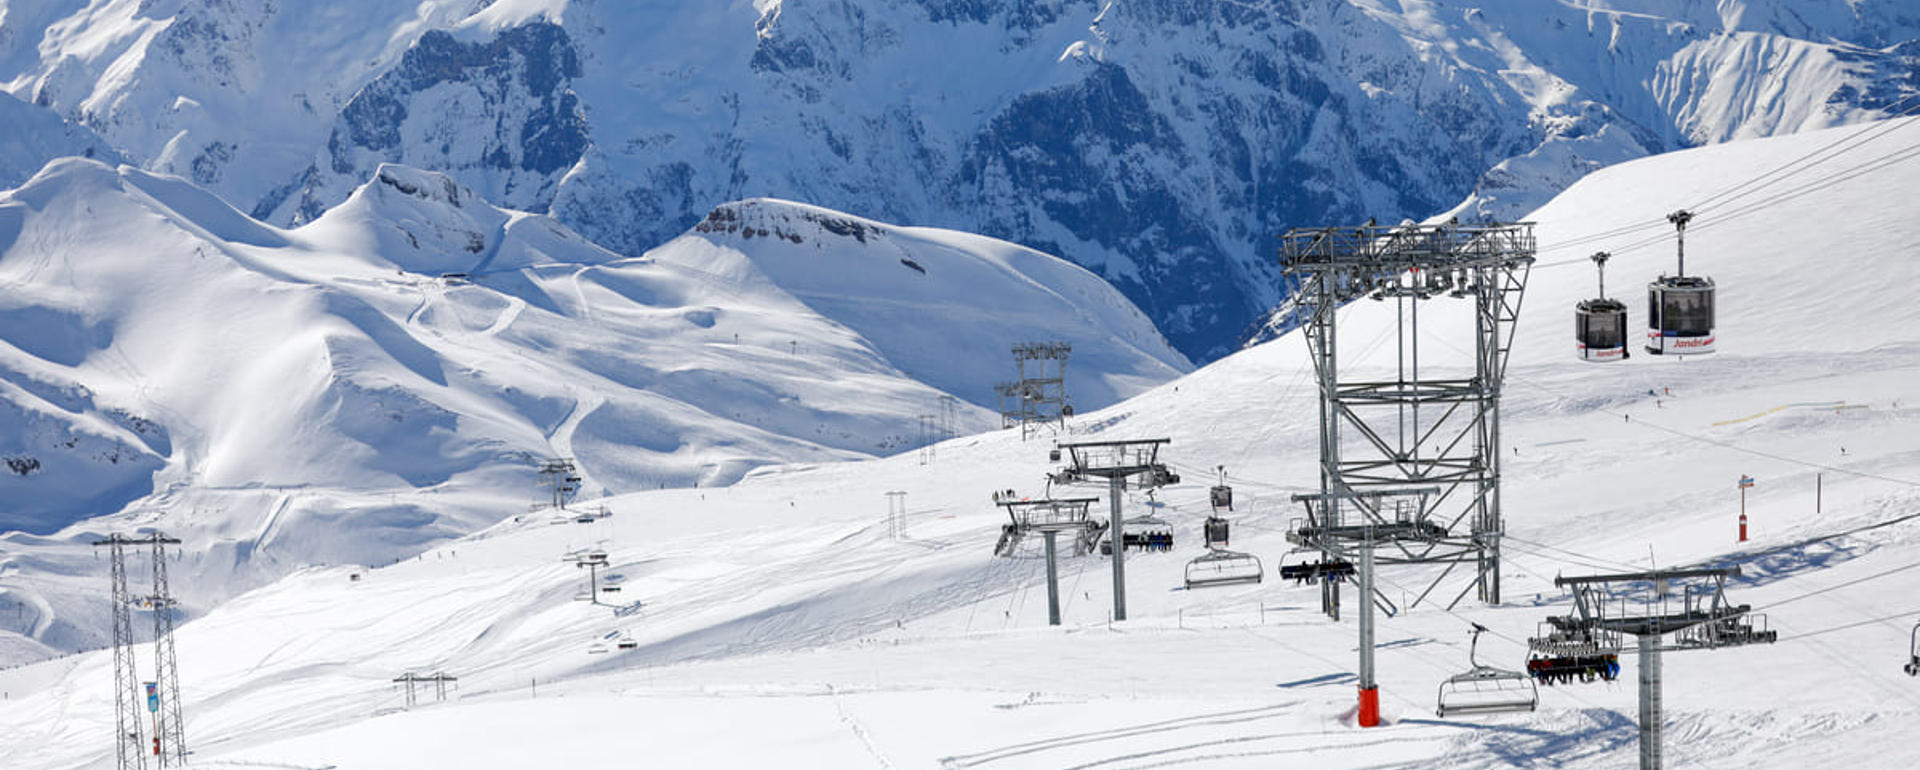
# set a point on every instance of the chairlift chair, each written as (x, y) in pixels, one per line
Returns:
(1569, 651)
(1219, 567)
(1147, 533)
(1485, 689)
(1314, 567)
(1913, 662)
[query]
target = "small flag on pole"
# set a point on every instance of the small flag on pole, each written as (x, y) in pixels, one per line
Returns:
(1745, 481)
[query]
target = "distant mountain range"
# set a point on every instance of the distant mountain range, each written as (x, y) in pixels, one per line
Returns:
(164, 351)
(1161, 143)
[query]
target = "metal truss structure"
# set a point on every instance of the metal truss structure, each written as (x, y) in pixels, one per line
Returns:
(1380, 437)
(1039, 397)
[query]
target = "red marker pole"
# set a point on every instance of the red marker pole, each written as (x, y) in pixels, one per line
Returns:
(1745, 481)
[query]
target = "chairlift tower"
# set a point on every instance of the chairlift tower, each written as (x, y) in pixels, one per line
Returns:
(1116, 461)
(1048, 517)
(561, 475)
(593, 559)
(929, 437)
(1330, 530)
(1039, 397)
(896, 514)
(1702, 619)
(439, 679)
(130, 750)
(1416, 429)
(170, 737)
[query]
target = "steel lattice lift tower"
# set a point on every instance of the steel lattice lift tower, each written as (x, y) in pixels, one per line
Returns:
(126, 679)
(1702, 619)
(1380, 438)
(1039, 397)
(169, 733)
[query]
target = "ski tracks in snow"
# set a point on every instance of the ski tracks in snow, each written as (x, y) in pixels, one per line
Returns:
(859, 730)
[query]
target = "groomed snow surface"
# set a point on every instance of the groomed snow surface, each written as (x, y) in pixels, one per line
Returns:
(777, 622)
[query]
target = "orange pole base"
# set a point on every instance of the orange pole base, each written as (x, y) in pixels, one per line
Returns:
(1370, 707)
(1743, 528)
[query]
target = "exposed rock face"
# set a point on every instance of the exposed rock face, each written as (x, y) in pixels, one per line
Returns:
(501, 110)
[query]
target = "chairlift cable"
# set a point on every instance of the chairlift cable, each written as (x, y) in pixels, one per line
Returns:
(1733, 193)
(1838, 586)
(1591, 560)
(1819, 184)
(1812, 161)
(1844, 626)
(1725, 444)
(1834, 147)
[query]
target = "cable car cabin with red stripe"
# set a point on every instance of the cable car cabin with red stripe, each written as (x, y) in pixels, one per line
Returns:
(1600, 324)
(1680, 306)
(1680, 315)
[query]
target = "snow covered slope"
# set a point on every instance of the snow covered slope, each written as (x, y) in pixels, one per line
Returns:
(30, 136)
(390, 374)
(941, 305)
(1161, 143)
(783, 620)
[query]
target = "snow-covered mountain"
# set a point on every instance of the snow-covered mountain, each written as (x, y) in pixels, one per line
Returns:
(1161, 143)
(389, 374)
(787, 621)
(30, 136)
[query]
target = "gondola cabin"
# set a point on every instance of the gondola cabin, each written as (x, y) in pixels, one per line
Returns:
(1216, 530)
(1680, 315)
(1600, 329)
(1600, 325)
(1680, 306)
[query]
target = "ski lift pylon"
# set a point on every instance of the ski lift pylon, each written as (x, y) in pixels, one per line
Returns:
(1485, 689)
(1219, 567)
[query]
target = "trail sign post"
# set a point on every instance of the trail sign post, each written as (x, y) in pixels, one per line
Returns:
(1745, 481)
